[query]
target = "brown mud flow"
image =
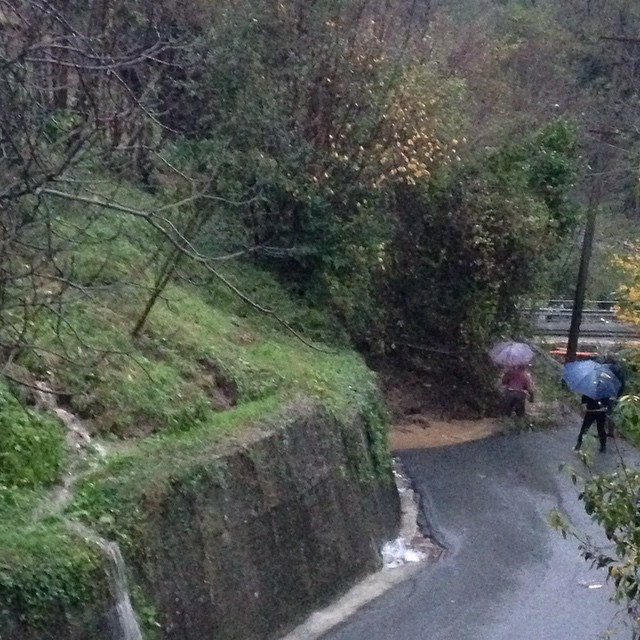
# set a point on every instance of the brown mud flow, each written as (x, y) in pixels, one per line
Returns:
(429, 411)
(423, 432)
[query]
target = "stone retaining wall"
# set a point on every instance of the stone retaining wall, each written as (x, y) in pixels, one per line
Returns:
(243, 548)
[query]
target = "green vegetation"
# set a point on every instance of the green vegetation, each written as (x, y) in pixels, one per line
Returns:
(256, 190)
(41, 564)
(32, 445)
(206, 367)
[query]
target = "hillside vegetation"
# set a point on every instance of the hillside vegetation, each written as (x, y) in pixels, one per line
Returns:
(207, 367)
(346, 148)
(212, 212)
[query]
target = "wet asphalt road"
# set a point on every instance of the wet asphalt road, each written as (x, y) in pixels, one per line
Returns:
(507, 575)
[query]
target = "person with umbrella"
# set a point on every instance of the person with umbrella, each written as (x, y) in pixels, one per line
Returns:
(598, 385)
(595, 411)
(517, 382)
(518, 386)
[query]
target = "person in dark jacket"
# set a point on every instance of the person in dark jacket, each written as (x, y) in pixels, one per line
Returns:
(596, 411)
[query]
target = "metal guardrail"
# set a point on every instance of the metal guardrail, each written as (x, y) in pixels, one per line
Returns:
(588, 304)
(601, 315)
(598, 319)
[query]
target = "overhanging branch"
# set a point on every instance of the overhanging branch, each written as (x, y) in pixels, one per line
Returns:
(180, 243)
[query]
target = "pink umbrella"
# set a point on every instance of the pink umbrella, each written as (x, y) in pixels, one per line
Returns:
(511, 354)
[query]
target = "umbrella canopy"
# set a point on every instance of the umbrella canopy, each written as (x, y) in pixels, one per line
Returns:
(511, 354)
(591, 379)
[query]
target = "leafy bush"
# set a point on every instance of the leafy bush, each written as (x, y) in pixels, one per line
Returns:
(477, 238)
(45, 573)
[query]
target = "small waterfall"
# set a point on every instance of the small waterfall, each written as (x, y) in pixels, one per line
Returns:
(127, 622)
(78, 438)
(79, 444)
(128, 628)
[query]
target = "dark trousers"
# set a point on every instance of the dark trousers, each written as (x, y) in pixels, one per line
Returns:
(515, 401)
(600, 418)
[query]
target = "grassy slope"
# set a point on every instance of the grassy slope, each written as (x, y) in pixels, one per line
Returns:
(153, 397)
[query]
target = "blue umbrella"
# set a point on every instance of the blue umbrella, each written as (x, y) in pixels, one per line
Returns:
(591, 379)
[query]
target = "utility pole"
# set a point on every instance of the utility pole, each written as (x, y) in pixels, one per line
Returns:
(581, 285)
(594, 200)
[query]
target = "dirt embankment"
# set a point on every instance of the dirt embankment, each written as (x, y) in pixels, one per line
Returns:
(426, 412)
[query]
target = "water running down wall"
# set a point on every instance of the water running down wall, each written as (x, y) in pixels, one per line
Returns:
(80, 446)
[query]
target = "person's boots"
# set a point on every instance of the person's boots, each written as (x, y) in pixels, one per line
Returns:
(578, 444)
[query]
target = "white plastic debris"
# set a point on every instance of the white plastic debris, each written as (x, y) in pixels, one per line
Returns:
(396, 553)
(412, 555)
(590, 585)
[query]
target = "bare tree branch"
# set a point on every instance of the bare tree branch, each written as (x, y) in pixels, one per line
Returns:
(189, 251)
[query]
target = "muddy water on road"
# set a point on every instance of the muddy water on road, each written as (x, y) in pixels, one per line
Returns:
(423, 432)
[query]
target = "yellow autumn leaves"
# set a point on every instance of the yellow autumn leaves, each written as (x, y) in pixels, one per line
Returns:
(628, 308)
(403, 146)
(380, 123)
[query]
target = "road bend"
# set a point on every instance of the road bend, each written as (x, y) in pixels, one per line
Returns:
(507, 575)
